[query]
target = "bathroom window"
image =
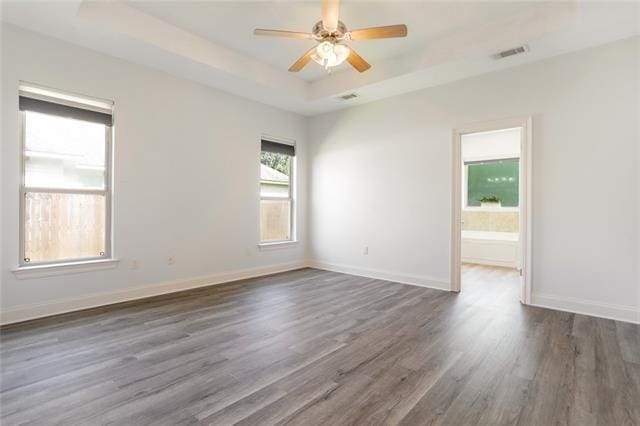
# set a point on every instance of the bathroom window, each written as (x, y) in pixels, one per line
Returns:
(65, 190)
(493, 182)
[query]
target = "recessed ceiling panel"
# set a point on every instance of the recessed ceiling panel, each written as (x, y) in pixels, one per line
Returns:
(232, 23)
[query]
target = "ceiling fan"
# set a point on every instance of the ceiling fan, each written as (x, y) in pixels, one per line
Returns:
(331, 34)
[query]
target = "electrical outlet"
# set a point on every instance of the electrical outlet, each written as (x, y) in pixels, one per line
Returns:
(135, 264)
(171, 260)
(366, 250)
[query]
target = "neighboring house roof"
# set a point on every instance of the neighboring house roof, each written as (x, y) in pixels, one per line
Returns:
(272, 175)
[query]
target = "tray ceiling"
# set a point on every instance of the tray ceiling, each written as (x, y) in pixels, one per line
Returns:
(212, 42)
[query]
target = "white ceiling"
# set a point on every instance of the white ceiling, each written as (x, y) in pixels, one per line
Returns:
(212, 42)
(232, 24)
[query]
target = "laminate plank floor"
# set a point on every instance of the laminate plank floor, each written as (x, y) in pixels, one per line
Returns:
(491, 286)
(314, 347)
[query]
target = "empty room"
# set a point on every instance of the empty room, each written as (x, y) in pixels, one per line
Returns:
(320, 212)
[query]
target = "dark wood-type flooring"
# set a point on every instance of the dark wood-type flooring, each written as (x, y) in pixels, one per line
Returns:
(311, 347)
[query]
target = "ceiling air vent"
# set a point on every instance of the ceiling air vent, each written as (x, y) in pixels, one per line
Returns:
(511, 52)
(348, 96)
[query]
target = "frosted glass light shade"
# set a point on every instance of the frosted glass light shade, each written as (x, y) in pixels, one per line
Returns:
(330, 54)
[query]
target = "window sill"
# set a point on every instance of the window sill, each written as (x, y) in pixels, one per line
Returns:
(492, 209)
(41, 271)
(277, 245)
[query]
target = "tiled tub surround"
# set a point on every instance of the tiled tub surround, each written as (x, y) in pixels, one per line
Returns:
(491, 221)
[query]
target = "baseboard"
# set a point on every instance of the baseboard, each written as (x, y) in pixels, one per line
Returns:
(578, 306)
(33, 311)
(39, 310)
(587, 307)
(417, 280)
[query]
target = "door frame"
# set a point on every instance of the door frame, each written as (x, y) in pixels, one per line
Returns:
(525, 199)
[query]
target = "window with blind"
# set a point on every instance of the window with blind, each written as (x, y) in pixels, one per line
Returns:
(277, 166)
(65, 189)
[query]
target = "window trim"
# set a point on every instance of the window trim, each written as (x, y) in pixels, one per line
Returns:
(75, 267)
(65, 264)
(292, 197)
(277, 245)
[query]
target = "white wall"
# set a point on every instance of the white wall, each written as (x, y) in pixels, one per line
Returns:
(186, 175)
(186, 178)
(491, 145)
(381, 177)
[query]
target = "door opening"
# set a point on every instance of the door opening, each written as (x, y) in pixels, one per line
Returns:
(491, 219)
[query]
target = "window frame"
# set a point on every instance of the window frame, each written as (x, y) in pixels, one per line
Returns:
(106, 191)
(291, 197)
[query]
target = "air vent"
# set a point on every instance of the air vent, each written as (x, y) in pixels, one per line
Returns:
(511, 52)
(348, 96)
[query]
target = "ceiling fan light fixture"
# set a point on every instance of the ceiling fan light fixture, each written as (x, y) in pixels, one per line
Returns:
(330, 33)
(330, 54)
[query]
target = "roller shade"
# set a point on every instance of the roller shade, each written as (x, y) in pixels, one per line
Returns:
(51, 108)
(278, 148)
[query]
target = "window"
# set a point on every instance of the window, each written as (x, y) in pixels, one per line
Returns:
(277, 166)
(497, 179)
(65, 191)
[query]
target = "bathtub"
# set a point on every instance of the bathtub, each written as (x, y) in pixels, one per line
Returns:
(491, 248)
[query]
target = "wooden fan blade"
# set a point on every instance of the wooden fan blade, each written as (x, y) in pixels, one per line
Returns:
(357, 62)
(379, 32)
(304, 60)
(330, 12)
(280, 33)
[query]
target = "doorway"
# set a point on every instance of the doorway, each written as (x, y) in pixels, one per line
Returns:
(491, 205)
